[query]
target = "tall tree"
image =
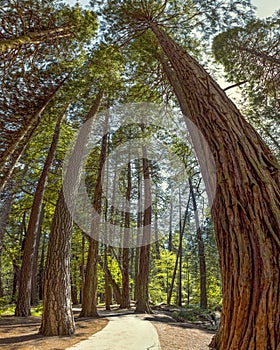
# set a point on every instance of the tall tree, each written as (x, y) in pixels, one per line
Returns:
(247, 160)
(24, 292)
(89, 304)
(142, 293)
(57, 318)
(201, 250)
(246, 206)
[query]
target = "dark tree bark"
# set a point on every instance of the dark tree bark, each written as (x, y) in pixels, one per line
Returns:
(82, 268)
(170, 246)
(245, 211)
(125, 304)
(57, 318)
(7, 200)
(142, 293)
(21, 138)
(108, 287)
(41, 268)
(35, 38)
(201, 251)
(156, 227)
(89, 304)
(35, 285)
(139, 227)
(116, 288)
(25, 283)
(179, 254)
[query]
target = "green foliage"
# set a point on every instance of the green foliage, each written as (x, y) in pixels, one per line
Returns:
(250, 53)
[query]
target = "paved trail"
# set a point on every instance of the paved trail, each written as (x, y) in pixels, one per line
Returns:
(124, 332)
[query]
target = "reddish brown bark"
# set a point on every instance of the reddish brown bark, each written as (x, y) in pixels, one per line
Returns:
(24, 292)
(57, 318)
(142, 279)
(89, 304)
(245, 211)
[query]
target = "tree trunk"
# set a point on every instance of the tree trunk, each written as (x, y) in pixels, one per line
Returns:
(125, 304)
(245, 211)
(142, 302)
(82, 268)
(108, 287)
(201, 251)
(156, 227)
(116, 288)
(24, 134)
(35, 38)
(25, 283)
(41, 268)
(34, 285)
(57, 318)
(179, 252)
(170, 246)
(89, 304)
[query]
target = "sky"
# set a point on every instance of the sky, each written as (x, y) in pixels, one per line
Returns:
(265, 8)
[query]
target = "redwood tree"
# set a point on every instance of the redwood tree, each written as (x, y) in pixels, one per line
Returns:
(245, 209)
(24, 292)
(57, 318)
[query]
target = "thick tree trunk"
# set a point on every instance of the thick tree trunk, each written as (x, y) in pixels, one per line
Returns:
(89, 304)
(57, 318)
(245, 211)
(25, 283)
(201, 251)
(142, 302)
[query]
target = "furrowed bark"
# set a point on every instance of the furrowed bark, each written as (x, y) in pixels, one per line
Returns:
(57, 318)
(246, 208)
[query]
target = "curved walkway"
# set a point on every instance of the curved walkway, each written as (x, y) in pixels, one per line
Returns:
(125, 331)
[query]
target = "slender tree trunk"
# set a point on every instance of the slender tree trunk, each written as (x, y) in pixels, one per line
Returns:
(201, 251)
(108, 287)
(156, 227)
(179, 252)
(5, 212)
(170, 247)
(9, 167)
(57, 318)
(25, 283)
(82, 268)
(35, 38)
(139, 227)
(125, 304)
(245, 211)
(34, 286)
(41, 269)
(142, 302)
(116, 288)
(89, 304)
(24, 134)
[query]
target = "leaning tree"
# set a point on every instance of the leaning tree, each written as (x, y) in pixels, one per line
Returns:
(246, 206)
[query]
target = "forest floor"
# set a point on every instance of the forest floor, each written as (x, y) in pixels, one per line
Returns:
(20, 333)
(180, 335)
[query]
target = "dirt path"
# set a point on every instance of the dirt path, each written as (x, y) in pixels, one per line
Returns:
(20, 333)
